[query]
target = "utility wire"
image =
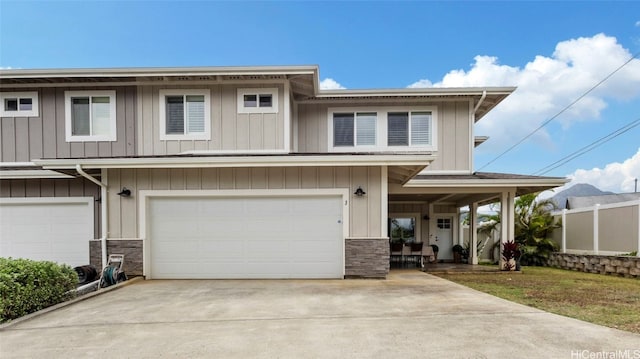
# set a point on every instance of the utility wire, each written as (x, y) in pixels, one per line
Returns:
(593, 145)
(559, 113)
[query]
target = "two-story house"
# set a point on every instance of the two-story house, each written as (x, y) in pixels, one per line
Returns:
(237, 172)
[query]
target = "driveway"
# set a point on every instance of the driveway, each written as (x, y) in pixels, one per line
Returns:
(409, 315)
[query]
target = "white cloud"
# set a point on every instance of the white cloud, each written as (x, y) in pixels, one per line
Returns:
(638, 23)
(614, 177)
(547, 84)
(330, 84)
(5, 67)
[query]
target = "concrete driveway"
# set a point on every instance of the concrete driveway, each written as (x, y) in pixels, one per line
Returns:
(409, 315)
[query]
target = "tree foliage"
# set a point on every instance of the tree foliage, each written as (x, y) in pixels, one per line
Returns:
(534, 225)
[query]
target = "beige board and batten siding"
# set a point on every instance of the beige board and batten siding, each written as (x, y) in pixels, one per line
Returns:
(454, 140)
(365, 212)
(230, 131)
(59, 187)
(27, 138)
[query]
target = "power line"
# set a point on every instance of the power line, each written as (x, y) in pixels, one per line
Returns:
(593, 145)
(559, 113)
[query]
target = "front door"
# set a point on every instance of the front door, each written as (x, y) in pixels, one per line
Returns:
(444, 237)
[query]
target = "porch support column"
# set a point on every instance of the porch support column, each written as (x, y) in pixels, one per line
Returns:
(507, 224)
(473, 233)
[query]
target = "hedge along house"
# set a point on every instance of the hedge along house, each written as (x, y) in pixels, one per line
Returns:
(237, 172)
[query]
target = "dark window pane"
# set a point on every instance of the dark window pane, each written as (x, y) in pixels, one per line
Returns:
(250, 101)
(26, 104)
(342, 129)
(175, 115)
(398, 129)
(11, 104)
(266, 101)
(80, 116)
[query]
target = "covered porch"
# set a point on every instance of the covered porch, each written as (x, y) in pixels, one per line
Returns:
(428, 208)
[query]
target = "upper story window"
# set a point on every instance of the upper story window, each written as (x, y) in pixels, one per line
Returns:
(19, 104)
(185, 114)
(409, 128)
(258, 100)
(90, 116)
(354, 129)
(382, 129)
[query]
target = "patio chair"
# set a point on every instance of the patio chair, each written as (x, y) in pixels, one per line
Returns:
(415, 254)
(396, 252)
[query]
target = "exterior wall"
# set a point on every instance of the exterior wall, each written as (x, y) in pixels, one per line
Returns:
(580, 237)
(454, 141)
(624, 266)
(132, 250)
(27, 138)
(77, 187)
(365, 212)
(366, 257)
(617, 229)
(230, 130)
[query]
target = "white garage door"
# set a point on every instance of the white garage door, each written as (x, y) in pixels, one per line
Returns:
(53, 229)
(259, 237)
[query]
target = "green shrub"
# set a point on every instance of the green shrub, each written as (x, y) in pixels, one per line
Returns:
(27, 286)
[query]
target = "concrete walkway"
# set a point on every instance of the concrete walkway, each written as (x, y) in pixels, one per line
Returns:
(409, 315)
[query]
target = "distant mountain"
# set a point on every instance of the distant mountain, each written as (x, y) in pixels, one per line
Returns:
(578, 190)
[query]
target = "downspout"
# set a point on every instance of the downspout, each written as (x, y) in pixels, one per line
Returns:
(484, 95)
(103, 212)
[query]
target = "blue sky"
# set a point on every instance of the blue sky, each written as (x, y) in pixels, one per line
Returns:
(553, 52)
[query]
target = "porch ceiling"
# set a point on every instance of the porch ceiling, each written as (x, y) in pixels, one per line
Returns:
(479, 187)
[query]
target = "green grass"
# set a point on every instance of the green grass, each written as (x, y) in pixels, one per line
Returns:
(601, 299)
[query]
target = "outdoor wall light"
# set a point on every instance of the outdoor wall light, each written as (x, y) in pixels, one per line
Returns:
(359, 192)
(125, 192)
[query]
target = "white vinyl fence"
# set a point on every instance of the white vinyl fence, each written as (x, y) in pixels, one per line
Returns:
(611, 229)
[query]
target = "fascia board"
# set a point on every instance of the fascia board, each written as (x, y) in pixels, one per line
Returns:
(160, 71)
(431, 91)
(487, 182)
(236, 161)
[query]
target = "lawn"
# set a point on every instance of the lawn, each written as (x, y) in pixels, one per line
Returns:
(601, 299)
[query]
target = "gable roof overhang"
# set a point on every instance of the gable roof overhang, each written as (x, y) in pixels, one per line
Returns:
(461, 190)
(304, 80)
(401, 166)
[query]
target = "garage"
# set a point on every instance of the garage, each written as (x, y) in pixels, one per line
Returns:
(246, 237)
(54, 229)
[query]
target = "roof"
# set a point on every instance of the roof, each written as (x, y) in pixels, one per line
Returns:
(304, 81)
(402, 166)
(524, 183)
(589, 201)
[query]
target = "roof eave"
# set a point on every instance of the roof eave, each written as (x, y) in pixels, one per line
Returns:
(158, 71)
(419, 160)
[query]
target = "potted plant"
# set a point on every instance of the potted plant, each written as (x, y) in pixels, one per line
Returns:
(435, 252)
(510, 254)
(457, 253)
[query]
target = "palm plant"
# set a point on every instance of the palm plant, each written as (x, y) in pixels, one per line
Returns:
(533, 227)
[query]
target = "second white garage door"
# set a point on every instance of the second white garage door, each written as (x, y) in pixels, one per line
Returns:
(256, 237)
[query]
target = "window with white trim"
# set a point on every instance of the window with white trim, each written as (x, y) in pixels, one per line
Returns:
(392, 128)
(90, 116)
(19, 104)
(354, 129)
(412, 128)
(185, 115)
(258, 100)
